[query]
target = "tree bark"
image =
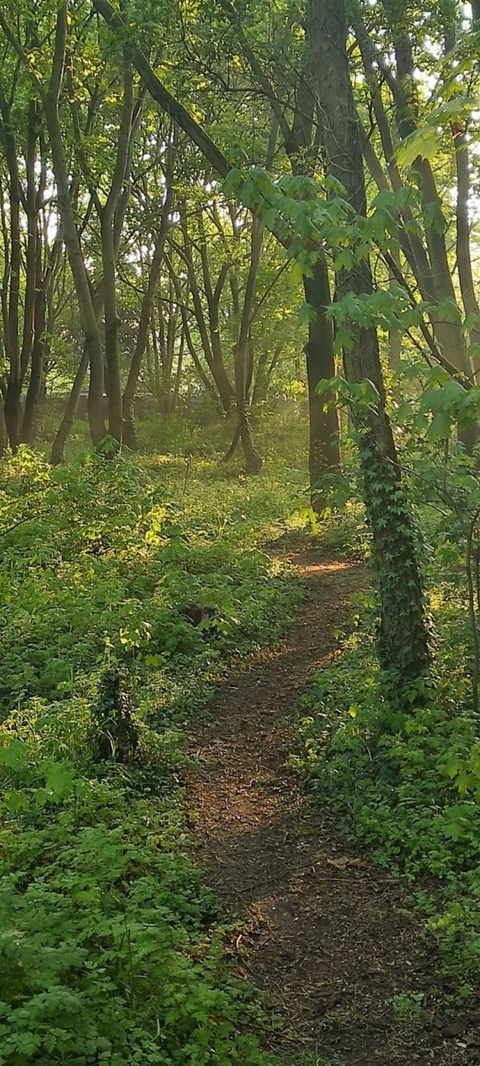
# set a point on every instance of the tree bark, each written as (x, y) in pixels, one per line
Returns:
(403, 644)
(464, 259)
(146, 310)
(35, 386)
(71, 237)
(11, 302)
(324, 452)
(253, 459)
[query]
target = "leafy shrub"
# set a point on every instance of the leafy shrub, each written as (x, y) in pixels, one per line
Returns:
(406, 781)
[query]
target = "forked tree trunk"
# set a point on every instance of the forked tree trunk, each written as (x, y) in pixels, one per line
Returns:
(57, 454)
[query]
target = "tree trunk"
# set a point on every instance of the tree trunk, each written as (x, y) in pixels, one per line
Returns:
(464, 259)
(324, 437)
(112, 355)
(57, 454)
(34, 391)
(428, 260)
(324, 452)
(11, 300)
(71, 237)
(3, 428)
(145, 314)
(253, 459)
(403, 646)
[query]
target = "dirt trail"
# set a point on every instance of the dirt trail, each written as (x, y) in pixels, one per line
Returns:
(348, 972)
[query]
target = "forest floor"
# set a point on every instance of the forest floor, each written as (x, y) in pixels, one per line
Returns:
(327, 934)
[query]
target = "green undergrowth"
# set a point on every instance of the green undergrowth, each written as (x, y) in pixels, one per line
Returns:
(405, 781)
(126, 586)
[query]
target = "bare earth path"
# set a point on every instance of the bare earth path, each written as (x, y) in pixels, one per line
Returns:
(323, 929)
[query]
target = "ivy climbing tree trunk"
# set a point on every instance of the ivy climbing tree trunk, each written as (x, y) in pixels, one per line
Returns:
(403, 643)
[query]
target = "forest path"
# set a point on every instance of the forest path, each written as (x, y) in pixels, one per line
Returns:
(323, 930)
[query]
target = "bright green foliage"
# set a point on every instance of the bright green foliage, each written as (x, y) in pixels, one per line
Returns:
(408, 786)
(109, 951)
(104, 958)
(99, 562)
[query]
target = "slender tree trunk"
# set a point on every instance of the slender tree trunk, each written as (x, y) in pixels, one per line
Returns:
(3, 428)
(210, 337)
(464, 259)
(428, 260)
(11, 302)
(34, 391)
(71, 237)
(403, 645)
(57, 454)
(112, 355)
(253, 459)
(145, 314)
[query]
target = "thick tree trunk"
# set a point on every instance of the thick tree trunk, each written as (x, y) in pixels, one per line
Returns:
(403, 646)
(324, 452)
(324, 440)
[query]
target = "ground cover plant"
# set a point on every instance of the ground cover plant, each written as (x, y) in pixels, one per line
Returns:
(121, 604)
(402, 772)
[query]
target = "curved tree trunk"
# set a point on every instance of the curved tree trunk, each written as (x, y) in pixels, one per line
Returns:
(57, 454)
